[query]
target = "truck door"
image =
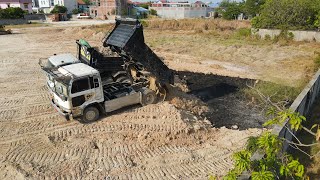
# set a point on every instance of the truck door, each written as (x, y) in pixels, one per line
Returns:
(81, 93)
(96, 86)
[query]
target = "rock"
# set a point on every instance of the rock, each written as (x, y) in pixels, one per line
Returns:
(196, 127)
(187, 130)
(234, 127)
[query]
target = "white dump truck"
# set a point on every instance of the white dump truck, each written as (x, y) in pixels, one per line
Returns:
(77, 91)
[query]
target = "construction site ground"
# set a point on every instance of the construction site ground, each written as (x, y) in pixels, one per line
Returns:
(159, 141)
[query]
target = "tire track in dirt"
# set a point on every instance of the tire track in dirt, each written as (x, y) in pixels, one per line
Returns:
(25, 111)
(25, 91)
(113, 159)
(34, 118)
(15, 101)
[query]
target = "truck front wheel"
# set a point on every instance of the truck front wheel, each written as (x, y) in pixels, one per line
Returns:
(90, 114)
(148, 97)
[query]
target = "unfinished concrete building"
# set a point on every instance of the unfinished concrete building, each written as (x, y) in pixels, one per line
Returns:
(107, 9)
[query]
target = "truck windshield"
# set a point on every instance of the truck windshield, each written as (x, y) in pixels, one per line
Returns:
(60, 88)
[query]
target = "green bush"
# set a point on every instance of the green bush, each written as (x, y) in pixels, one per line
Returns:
(284, 36)
(144, 23)
(75, 11)
(146, 6)
(153, 12)
(59, 9)
(256, 22)
(12, 13)
(267, 37)
(243, 32)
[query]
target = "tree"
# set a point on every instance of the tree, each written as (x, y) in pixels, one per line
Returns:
(253, 7)
(231, 10)
(12, 13)
(87, 2)
(288, 14)
(75, 11)
(146, 6)
(59, 9)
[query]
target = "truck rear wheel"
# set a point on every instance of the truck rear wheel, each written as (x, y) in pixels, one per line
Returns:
(148, 97)
(90, 114)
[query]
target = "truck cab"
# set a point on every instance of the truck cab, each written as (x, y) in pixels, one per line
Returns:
(77, 91)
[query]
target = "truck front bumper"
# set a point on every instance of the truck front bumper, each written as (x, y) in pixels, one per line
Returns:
(64, 113)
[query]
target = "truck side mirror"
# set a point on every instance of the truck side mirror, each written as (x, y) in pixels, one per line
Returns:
(63, 97)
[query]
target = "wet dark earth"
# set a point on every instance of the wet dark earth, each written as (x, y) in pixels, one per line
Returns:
(228, 106)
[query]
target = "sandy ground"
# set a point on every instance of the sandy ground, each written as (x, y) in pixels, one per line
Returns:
(152, 142)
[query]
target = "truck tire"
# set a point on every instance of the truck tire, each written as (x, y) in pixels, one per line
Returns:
(90, 114)
(123, 79)
(148, 97)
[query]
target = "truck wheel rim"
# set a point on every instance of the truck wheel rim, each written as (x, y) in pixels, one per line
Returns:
(90, 115)
(149, 99)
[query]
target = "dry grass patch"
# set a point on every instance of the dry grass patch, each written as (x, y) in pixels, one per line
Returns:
(196, 24)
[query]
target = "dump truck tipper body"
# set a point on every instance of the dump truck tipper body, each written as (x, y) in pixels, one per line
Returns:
(127, 40)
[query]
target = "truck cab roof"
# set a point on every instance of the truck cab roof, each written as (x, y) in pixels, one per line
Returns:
(63, 59)
(77, 70)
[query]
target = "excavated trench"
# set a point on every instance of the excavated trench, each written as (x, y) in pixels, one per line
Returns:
(227, 104)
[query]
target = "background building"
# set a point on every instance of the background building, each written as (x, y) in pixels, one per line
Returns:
(181, 10)
(83, 7)
(108, 8)
(23, 4)
(47, 5)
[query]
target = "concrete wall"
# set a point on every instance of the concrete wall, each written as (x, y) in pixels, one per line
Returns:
(298, 35)
(39, 17)
(302, 104)
(182, 12)
(13, 21)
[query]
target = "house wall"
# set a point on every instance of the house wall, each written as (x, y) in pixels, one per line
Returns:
(182, 12)
(83, 7)
(44, 3)
(70, 5)
(20, 4)
(106, 8)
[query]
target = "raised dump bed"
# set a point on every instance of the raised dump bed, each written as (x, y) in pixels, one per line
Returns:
(128, 41)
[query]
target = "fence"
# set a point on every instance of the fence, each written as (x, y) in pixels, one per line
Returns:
(35, 17)
(13, 21)
(301, 104)
(297, 35)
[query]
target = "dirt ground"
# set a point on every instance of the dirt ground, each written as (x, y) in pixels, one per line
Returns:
(153, 142)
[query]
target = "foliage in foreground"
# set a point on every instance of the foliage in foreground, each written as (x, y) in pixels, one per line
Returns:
(276, 164)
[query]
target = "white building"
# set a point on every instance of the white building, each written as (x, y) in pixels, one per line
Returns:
(181, 10)
(47, 5)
